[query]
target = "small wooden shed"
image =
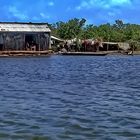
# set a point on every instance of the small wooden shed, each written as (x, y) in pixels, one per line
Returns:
(24, 36)
(115, 46)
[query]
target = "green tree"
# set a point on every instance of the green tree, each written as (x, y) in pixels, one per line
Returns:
(71, 29)
(117, 32)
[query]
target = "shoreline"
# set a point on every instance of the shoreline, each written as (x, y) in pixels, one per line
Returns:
(100, 53)
(50, 52)
(24, 53)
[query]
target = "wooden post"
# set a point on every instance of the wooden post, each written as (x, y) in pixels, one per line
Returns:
(77, 43)
(24, 43)
(85, 47)
(50, 41)
(118, 48)
(39, 42)
(4, 42)
(132, 50)
(108, 44)
(107, 47)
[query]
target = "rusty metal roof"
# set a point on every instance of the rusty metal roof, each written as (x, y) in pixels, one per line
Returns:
(23, 27)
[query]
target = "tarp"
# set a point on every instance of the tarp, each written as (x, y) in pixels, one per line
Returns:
(55, 38)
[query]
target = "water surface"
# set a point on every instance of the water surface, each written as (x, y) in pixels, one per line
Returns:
(70, 98)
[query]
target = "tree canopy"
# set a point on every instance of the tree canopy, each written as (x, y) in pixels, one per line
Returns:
(77, 28)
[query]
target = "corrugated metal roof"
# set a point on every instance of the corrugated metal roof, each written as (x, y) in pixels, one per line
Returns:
(24, 27)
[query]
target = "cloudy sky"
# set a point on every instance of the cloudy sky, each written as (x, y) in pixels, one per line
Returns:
(95, 11)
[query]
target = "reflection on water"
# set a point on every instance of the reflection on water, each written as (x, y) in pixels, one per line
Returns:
(70, 98)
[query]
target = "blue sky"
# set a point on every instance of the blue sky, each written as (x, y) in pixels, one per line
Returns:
(95, 11)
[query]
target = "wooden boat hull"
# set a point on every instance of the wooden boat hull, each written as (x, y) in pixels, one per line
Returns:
(85, 53)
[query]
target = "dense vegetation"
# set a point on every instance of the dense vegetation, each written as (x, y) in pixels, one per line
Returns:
(117, 32)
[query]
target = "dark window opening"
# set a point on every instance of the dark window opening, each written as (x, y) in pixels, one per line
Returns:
(30, 42)
(1, 47)
(110, 47)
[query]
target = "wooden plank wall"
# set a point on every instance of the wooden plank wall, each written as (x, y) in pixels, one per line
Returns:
(16, 41)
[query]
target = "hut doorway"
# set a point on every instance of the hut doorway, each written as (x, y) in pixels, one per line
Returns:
(30, 38)
(1, 47)
(30, 42)
(1, 42)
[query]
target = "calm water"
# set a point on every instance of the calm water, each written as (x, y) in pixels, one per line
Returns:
(70, 98)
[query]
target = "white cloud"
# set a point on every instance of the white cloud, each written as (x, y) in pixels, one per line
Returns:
(35, 18)
(51, 3)
(16, 13)
(111, 14)
(120, 2)
(86, 4)
(89, 4)
(44, 16)
(68, 9)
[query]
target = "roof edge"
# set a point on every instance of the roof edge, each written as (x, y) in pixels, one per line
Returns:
(30, 23)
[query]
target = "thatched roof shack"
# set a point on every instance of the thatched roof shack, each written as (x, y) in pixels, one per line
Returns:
(116, 46)
(24, 36)
(124, 46)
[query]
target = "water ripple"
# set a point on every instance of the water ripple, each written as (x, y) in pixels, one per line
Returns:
(70, 98)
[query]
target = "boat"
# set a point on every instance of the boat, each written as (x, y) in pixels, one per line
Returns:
(85, 53)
